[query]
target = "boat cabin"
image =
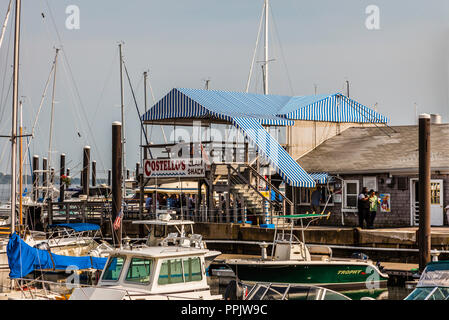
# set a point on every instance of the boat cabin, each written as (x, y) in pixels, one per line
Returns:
(151, 273)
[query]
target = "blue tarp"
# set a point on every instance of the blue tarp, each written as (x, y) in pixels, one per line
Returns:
(23, 259)
(78, 227)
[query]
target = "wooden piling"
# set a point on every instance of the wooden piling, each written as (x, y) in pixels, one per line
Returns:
(44, 177)
(61, 173)
(109, 177)
(94, 173)
(424, 233)
(35, 178)
(86, 170)
(117, 173)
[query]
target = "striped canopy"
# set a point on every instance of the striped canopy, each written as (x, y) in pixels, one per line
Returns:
(320, 177)
(267, 109)
(249, 112)
(290, 171)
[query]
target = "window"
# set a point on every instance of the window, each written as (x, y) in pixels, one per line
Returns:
(139, 271)
(171, 272)
(351, 192)
(370, 183)
(435, 189)
(192, 269)
(113, 269)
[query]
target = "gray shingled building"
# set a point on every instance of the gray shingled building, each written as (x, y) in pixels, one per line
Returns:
(385, 160)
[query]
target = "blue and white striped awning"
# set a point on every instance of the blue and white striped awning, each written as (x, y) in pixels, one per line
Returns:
(290, 171)
(223, 105)
(330, 108)
(267, 109)
(320, 177)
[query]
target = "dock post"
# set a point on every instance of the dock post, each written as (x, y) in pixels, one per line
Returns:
(86, 169)
(139, 178)
(424, 235)
(117, 175)
(35, 178)
(61, 173)
(44, 177)
(68, 172)
(94, 173)
(109, 177)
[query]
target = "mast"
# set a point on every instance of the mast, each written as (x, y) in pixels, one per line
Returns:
(5, 23)
(51, 121)
(15, 97)
(122, 106)
(267, 4)
(20, 171)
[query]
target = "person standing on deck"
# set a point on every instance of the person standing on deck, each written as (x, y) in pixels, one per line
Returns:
(363, 207)
(373, 203)
(316, 200)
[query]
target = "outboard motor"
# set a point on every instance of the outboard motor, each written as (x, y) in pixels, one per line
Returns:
(235, 291)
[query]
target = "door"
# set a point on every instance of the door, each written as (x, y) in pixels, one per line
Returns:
(436, 202)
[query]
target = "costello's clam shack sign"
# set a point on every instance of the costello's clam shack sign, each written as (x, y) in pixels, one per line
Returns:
(174, 168)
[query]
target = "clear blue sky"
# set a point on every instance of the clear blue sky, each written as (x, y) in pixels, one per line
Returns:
(324, 42)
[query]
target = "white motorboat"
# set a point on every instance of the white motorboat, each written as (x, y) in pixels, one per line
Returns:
(166, 232)
(151, 273)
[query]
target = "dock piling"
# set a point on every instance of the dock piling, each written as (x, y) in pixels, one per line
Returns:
(424, 233)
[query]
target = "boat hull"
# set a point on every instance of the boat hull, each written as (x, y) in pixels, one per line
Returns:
(333, 276)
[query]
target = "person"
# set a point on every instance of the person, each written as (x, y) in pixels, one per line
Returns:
(373, 203)
(316, 200)
(363, 207)
(148, 203)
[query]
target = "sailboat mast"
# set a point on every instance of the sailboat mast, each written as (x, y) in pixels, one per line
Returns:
(51, 122)
(267, 4)
(122, 105)
(15, 98)
(20, 170)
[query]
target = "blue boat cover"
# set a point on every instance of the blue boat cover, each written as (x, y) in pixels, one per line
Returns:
(78, 227)
(23, 259)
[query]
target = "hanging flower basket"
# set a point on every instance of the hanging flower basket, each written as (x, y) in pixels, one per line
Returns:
(65, 180)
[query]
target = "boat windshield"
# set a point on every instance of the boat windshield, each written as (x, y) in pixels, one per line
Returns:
(429, 293)
(292, 292)
(113, 268)
(139, 271)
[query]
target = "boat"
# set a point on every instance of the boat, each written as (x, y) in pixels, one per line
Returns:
(292, 261)
(280, 291)
(166, 232)
(433, 283)
(151, 273)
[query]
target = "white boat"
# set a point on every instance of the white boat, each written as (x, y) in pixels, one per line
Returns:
(433, 283)
(151, 273)
(166, 232)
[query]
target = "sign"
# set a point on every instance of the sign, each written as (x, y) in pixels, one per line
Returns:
(385, 205)
(174, 168)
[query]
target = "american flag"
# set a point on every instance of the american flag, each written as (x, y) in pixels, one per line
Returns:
(118, 220)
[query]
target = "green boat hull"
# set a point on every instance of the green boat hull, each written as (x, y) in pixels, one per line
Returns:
(333, 276)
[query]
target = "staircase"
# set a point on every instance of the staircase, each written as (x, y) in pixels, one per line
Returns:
(240, 180)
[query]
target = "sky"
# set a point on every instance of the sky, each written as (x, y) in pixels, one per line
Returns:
(319, 43)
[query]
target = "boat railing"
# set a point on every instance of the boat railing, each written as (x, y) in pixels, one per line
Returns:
(43, 289)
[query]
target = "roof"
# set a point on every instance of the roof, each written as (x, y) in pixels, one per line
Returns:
(78, 227)
(160, 252)
(365, 150)
(182, 103)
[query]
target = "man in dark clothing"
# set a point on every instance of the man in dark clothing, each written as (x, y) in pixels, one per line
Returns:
(363, 207)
